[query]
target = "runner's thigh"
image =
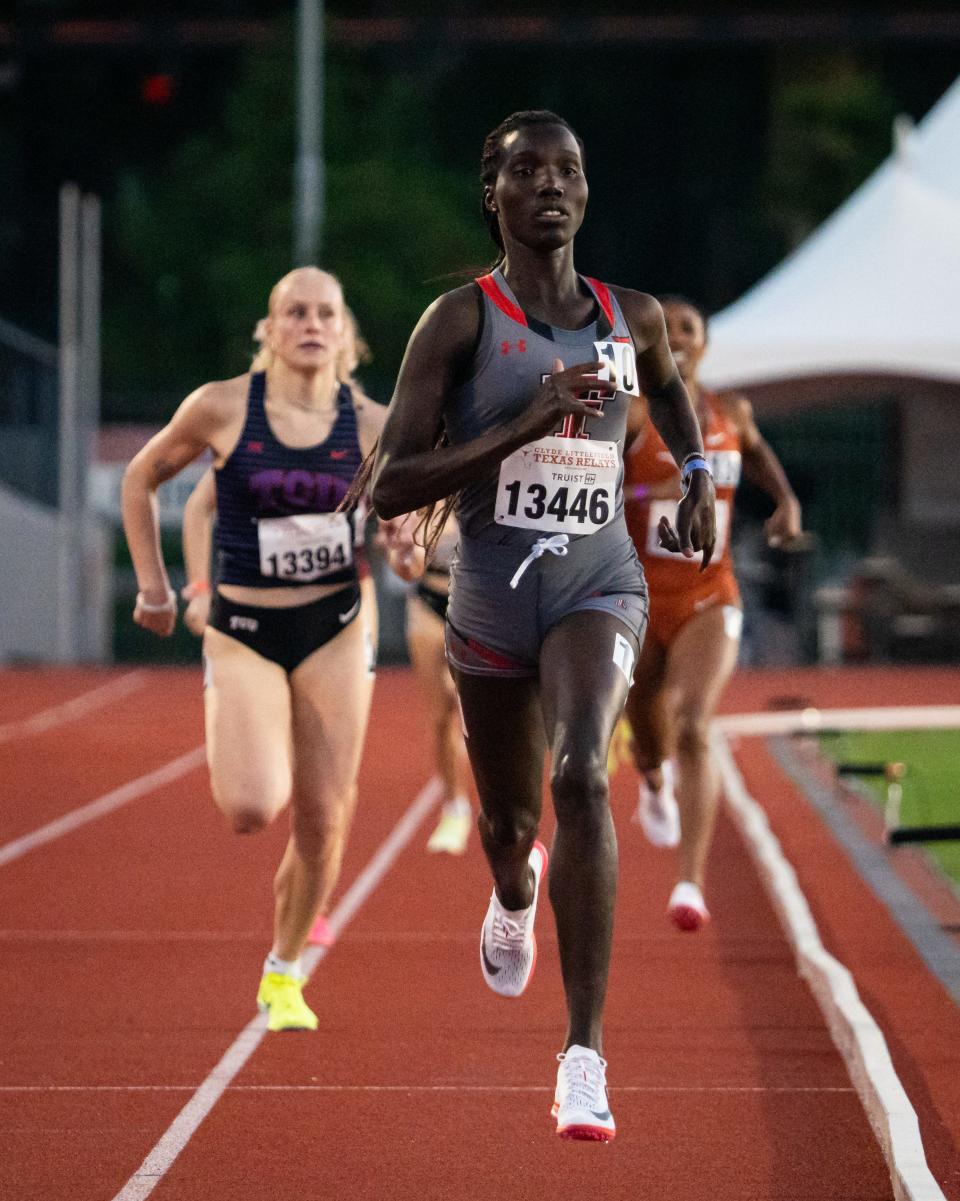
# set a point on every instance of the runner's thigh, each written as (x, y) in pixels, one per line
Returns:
(247, 715)
(505, 741)
(586, 665)
(332, 689)
(700, 660)
(426, 643)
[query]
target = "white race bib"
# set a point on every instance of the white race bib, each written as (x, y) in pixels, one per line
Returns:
(668, 509)
(559, 485)
(306, 547)
(623, 358)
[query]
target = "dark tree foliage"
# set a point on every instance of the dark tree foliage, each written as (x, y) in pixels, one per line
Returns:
(197, 242)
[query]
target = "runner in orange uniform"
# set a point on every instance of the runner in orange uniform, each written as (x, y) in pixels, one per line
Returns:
(693, 633)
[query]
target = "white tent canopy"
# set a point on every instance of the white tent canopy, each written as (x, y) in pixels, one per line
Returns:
(876, 289)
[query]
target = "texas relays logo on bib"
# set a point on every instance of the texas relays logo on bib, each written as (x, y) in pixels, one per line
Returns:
(557, 484)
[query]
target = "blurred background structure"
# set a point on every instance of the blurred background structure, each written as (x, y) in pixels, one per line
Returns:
(722, 141)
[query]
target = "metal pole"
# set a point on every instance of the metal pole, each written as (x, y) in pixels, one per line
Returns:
(89, 329)
(69, 451)
(91, 594)
(308, 176)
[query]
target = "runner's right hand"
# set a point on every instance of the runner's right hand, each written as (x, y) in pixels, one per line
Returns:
(154, 613)
(561, 394)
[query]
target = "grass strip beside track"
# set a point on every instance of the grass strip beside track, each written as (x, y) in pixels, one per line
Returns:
(931, 784)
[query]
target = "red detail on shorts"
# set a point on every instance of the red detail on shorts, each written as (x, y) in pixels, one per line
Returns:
(489, 285)
(338, 454)
(494, 658)
(603, 295)
(255, 448)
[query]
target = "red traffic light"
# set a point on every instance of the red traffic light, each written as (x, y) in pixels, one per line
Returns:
(157, 89)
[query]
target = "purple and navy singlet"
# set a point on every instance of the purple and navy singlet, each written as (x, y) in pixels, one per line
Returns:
(277, 523)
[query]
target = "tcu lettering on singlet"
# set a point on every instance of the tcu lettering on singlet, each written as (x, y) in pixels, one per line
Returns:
(316, 491)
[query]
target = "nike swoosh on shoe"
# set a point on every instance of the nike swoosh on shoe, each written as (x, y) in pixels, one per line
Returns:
(491, 968)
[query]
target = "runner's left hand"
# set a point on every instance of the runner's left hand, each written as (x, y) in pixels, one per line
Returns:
(696, 527)
(784, 525)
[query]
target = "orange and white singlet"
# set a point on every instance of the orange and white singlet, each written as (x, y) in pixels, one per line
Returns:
(678, 588)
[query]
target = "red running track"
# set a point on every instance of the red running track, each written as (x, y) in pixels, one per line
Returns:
(132, 948)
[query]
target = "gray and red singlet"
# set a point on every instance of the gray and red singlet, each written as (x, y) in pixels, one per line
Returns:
(542, 534)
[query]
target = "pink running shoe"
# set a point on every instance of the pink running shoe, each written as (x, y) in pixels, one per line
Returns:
(320, 933)
(687, 908)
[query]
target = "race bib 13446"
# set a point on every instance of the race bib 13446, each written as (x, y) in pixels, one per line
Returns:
(559, 485)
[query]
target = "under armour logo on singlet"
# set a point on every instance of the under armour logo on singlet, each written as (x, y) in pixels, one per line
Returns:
(521, 346)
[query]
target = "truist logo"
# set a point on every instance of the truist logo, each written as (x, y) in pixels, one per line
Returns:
(278, 491)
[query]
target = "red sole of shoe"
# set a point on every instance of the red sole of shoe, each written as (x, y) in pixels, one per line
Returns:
(586, 1134)
(688, 919)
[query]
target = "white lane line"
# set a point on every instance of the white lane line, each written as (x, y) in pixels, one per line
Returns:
(102, 805)
(156, 1165)
(856, 1035)
(72, 710)
(410, 1088)
(812, 720)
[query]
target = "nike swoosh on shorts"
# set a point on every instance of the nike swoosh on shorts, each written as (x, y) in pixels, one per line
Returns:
(343, 618)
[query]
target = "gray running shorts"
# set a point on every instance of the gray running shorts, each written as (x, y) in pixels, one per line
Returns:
(493, 629)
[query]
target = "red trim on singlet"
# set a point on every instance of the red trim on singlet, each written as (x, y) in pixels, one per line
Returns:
(490, 286)
(603, 295)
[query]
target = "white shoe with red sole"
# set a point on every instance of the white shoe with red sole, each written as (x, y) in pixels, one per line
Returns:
(687, 908)
(580, 1104)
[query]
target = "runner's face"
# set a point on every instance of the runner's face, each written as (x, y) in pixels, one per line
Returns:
(540, 192)
(307, 326)
(687, 337)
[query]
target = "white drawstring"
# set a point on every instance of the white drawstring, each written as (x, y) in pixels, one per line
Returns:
(556, 544)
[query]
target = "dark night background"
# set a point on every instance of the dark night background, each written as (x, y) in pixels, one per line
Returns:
(716, 138)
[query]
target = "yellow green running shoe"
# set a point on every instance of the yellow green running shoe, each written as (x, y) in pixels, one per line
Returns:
(282, 997)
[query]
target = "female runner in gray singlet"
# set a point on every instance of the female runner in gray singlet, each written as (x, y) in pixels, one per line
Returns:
(530, 372)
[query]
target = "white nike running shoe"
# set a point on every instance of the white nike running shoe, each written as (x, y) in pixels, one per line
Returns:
(508, 945)
(580, 1103)
(657, 811)
(687, 908)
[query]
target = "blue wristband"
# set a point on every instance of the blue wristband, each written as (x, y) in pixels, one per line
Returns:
(691, 464)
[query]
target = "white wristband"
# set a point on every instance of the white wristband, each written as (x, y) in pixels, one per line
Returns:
(169, 603)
